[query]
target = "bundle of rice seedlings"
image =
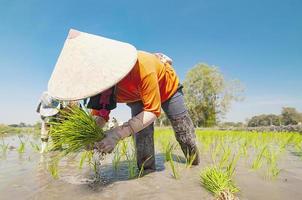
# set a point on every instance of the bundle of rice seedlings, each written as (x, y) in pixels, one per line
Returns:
(219, 182)
(74, 130)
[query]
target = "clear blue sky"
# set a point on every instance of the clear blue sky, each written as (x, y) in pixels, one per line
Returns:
(258, 42)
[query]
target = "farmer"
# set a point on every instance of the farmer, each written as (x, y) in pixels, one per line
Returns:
(111, 72)
(47, 108)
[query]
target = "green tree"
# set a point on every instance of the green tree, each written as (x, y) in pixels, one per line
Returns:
(208, 95)
(265, 120)
(290, 116)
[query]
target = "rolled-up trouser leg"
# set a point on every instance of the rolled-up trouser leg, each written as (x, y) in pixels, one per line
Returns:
(185, 135)
(144, 142)
(182, 125)
(44, 134)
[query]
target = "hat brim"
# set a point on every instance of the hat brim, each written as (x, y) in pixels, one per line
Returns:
(48, 112)
(89, 64)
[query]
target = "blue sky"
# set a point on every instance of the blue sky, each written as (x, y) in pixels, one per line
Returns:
(257, 42)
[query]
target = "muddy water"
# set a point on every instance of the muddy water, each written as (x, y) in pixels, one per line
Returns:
(24, 176)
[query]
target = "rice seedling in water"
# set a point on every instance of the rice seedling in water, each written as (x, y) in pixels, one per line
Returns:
(4, 147)
(75, 130)
(173, 167)
(52, 167)
(86, 155)
(141, 171)
(132, 166)
(35, 147)
(168, 149)
(130, 156)
(230, 169)
(190, 159)
(21, 148)
(225, 157)
(272, 170)
(257, 163)
(215, 152)
(95, 166)
(243, 148)
(116, 158)
(219, 183)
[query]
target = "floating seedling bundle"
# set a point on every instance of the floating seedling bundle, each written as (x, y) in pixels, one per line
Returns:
(74, 130)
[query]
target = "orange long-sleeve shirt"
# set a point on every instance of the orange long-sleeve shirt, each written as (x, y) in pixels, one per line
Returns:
(150, 81)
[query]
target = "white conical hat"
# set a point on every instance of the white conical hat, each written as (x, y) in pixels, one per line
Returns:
(89, 64)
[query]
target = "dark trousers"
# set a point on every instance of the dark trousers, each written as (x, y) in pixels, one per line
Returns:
(181, 122)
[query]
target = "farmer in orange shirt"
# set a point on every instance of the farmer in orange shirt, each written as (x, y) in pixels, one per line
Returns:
(110, 72)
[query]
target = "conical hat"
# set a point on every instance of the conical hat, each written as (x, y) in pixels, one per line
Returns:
(89, 64)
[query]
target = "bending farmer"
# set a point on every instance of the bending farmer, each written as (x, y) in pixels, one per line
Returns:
(110, 72)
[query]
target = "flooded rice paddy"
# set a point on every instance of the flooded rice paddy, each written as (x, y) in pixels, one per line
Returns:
(269, 167)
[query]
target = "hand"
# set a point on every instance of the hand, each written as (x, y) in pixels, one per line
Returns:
(107, 144)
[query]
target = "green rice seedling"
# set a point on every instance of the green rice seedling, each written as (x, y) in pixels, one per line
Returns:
(124, 148)
(206, 142)
(257, 163)
(225, 157)
(94, 164)
(218, 182)
(230, 169)
(285, 142)
(273, 170)
(74, 130)
(116, 158)
(86, 155)
(52, 167)
(168, 149)
(141, 171)
(132, 166)
(21, 148)
(175, 173)
(190, 159)
(243, 148)
(35, 147)
(215, 152)
(129, 154)
(4, 147)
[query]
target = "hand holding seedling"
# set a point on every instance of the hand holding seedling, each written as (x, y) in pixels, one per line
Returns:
(112, 137)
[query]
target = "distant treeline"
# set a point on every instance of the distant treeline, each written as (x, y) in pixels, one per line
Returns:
(19, 128)
(288, 116)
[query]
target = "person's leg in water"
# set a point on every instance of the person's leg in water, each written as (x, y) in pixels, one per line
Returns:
(44, 134)
(144, 142)
(182, 124)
